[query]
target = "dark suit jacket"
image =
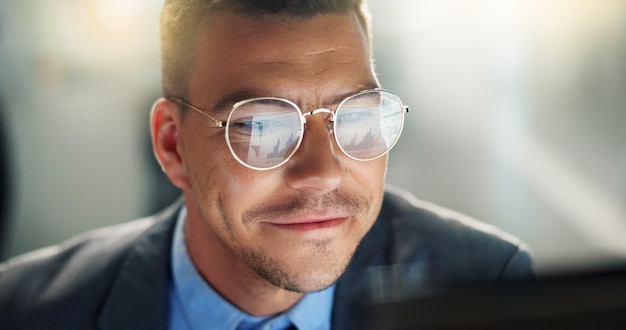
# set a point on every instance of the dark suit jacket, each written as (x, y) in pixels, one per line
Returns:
(117, 278)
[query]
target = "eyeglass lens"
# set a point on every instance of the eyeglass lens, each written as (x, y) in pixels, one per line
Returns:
(264, 133)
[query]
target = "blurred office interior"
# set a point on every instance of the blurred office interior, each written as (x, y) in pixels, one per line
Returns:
(518, 117)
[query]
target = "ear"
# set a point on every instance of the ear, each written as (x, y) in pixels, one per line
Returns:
(165, 121)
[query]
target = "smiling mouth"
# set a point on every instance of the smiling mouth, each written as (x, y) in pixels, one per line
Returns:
(311, 225)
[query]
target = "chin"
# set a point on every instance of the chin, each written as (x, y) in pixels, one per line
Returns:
(313, 281)
(302, 274)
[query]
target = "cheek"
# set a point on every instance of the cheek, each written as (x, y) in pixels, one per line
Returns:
(370, 174)
(243, 187)
(219, 184)
(370, 178)
(205, 157)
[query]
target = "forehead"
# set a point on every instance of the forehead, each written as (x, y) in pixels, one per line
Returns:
(311, 35)
(279, 55)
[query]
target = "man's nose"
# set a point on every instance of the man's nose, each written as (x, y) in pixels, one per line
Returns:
(315, 166)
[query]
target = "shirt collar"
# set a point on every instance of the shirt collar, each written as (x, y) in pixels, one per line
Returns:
(201, 305)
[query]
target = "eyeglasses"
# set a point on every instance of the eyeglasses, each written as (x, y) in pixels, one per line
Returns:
(263, 133)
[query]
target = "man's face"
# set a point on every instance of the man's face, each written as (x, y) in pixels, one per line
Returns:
(296, 226)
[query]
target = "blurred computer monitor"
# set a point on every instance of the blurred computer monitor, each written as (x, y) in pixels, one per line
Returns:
(583, 301)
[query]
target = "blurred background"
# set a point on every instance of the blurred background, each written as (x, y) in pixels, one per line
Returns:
(518, 117)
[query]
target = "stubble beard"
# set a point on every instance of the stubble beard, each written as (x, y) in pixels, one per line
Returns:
(274, 272)
(301, 278)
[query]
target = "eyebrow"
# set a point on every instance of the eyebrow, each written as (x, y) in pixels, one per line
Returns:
(341, 97)
(226, 103)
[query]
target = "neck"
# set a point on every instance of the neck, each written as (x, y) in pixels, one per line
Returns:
(228, 276)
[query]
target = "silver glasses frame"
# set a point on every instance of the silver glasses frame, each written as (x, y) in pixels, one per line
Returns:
(331, 126)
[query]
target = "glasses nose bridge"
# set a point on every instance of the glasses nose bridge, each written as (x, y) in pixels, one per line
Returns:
(329, 124)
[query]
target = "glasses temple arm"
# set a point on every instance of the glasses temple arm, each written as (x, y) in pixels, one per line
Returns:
(218, 123)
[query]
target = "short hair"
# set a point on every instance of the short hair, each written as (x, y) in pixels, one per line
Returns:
(181, 19)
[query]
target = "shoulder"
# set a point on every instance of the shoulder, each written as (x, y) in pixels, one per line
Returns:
(454, 245)
(100, 241)
(415, 246)
(408, 214)
(78, 271)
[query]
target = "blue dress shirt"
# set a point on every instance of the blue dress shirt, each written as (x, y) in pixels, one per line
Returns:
(194, 305)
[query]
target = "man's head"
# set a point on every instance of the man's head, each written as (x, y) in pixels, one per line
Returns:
(295, 226)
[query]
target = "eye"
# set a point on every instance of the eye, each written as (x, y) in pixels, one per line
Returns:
(248, 126)
(355, 117)
(264, 117)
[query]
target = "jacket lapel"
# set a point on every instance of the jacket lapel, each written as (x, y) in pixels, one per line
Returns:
(354, 286)
(138, 298)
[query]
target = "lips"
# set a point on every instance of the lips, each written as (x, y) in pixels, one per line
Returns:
(313, 224)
